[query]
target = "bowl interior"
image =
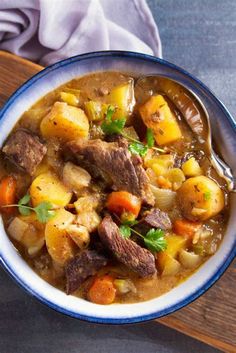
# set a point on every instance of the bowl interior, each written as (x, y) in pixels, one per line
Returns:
(224, 132)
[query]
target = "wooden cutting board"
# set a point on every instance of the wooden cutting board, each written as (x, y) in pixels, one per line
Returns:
(212, 317)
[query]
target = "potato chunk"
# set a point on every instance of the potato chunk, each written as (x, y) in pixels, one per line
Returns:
(69, 98)
(191, 168)
(65, 122)
(89, 219)
(157, 115)
(167, 264)
(122, 97)
(79, 234)
(47, 187)
(59, 243)
(200, 198)
(87, 203)
(166, 260)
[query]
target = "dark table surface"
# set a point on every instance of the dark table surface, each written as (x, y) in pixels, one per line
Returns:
(199, 36)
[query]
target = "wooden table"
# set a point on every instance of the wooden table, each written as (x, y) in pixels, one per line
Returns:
(211, 318)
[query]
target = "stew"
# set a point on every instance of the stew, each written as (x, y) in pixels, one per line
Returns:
(107, 193)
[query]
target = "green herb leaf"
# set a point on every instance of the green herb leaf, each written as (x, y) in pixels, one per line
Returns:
(24, 200)
(125, 231)
(150, 138)
(24, 211)
(44, 211)
(110, 126)
(155, 240)
(113, 126)
(207, 196)
(138, 148)
(110, 112)
(130, 223)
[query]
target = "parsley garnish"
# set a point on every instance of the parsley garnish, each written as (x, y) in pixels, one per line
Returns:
(154, 239)
(24, 211)
(150, 138)
(207, 196)
(125, 231)
(138, 148)
(116, 126)
(44, 210)
(110, 126)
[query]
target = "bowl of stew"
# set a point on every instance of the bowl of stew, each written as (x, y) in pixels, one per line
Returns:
(111, 211)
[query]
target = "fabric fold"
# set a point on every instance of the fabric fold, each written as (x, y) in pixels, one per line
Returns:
(47, 31)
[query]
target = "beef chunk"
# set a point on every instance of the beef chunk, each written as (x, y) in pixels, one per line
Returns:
(25, 150)
(113, 161)
(126, 251)
(157, 219)
(83, 265)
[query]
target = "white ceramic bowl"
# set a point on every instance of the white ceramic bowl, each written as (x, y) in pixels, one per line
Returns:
(224, 131)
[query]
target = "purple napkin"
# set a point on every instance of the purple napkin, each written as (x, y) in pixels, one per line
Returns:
(46, 31)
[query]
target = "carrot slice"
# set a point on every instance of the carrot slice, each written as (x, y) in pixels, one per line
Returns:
(7, 193)
(120, 201)
(186, 228)
(102, 290)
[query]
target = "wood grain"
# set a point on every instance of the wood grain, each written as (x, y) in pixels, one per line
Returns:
(212, 317)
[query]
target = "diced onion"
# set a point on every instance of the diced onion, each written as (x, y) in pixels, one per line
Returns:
(164, 198)
(189, 259)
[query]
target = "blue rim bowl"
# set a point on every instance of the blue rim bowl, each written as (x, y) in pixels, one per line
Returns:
(224, 132)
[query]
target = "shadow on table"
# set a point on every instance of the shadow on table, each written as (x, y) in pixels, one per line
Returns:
(28, 326)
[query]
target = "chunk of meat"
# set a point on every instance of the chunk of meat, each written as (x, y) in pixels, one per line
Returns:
(126, 251)
(83, 265)
(157, 219)
(25, 150)
(113, 161)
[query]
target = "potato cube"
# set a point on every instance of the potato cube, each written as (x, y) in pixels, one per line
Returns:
(69, 98)
(157, 115)
(166, 260)
(176, 177)
(167, 265)
(79, 234)
(47, 187)
(122, 98)
(89, 219)
(191, 168)
(174, 244)
(159, 169)
(59, 243)
(166, 160)
(87, 203)
(65, 122)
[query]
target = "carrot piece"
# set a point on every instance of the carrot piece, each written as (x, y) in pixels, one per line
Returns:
(186, 228)
(7, 193)
(120, 201)
(163, 182)
(102, 290)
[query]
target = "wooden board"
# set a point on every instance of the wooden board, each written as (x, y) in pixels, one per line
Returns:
(211, 318)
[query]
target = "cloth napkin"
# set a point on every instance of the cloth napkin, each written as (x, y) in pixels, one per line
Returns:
(46, 31)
